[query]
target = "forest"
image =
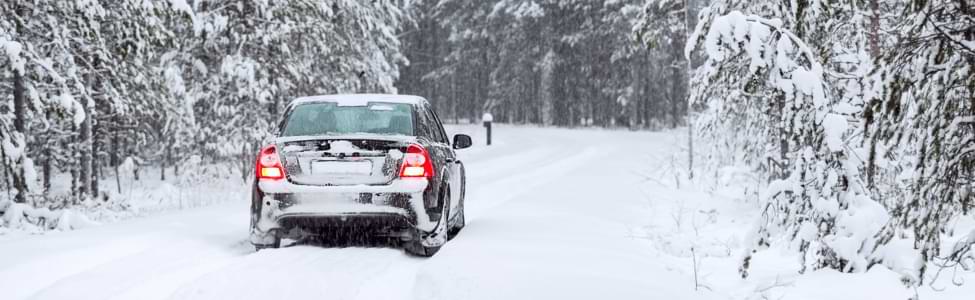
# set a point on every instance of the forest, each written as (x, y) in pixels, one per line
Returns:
(562, 63)
(858, 116)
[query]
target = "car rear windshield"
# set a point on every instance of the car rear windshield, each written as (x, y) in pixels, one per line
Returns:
(329, 118)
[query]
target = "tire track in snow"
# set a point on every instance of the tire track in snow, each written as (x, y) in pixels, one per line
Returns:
(308, 272)
(500, 166)
(118, 282)
(49, 271)
(162, 261)
(487, 195)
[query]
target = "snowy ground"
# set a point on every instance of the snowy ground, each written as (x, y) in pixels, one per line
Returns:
(552, 214)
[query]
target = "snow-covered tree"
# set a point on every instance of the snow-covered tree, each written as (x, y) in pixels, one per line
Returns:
(816, 197)
(235, 63)
(40, 61)
(921, 133)
(862, 148)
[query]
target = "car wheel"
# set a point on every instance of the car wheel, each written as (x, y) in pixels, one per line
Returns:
(459, 221)
(260, 239)
(417, 249)
(274, 245)
(428, 243)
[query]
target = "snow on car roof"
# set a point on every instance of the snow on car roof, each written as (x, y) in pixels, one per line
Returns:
(360, 99)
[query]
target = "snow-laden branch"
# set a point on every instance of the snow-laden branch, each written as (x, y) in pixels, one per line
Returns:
(755, 36)
(816, 198)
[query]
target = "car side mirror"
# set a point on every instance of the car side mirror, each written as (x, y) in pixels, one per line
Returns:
(462, 141)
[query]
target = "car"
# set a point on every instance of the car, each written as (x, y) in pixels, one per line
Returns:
(371, 164)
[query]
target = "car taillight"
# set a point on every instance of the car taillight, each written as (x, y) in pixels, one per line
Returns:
(269, 164)
(416, 163)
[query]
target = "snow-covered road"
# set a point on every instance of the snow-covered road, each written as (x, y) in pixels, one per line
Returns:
(550, 216)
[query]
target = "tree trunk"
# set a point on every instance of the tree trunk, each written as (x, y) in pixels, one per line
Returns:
(95, 167)
(85, 161)
(47, 169)
(871, 139)
(676, 101)
(114, 159)
(783, 136)
(545, 88)
(72, 143)
(874, 32)
(6, 171)
(245, 163)
(20, 128)
(173, 162)
(454, 99)
(166, 161)
(632, 103)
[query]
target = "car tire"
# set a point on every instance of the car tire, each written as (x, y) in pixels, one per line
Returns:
(459, 220)
(256, 206)
(418, 246)
(460, 223)
(276, 244)
(256, 235)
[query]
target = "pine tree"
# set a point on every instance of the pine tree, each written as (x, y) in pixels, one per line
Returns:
(923, 103)
(861, 148)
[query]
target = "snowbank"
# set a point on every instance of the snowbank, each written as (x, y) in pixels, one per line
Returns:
(55, 212)
(703, 226)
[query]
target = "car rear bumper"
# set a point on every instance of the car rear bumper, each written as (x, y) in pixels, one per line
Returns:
(298, 225)
(401, 186)
(360, 221)
(288, 207)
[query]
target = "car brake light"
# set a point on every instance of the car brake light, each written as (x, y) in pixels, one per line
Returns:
(416, 163)
(269, 164)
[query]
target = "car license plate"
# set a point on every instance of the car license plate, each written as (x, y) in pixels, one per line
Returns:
(342, 168)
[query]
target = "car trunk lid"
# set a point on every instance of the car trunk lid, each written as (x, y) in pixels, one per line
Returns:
(342, 160)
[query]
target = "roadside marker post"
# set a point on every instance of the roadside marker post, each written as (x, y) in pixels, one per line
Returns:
(487, 118)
